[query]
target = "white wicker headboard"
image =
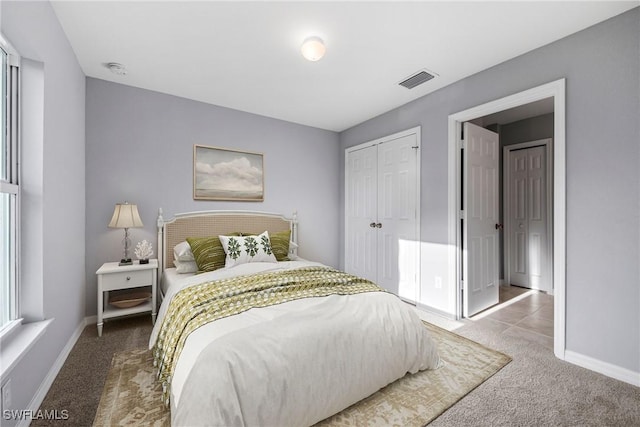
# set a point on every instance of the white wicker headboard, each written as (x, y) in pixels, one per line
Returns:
(213, 223)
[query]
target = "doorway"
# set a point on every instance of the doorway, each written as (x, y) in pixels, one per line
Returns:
(556, 91)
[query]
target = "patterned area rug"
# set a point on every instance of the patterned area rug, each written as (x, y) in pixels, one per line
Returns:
(132, 396)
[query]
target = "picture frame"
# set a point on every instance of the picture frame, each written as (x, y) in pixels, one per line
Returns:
(226, 174)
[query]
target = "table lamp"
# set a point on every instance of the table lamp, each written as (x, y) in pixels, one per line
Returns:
(125, 216)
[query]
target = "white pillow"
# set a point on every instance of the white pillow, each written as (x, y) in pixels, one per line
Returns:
(182, 252)
(241, 250)
(183, 267)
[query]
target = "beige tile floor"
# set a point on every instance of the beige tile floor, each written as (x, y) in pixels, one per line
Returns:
(522, 312)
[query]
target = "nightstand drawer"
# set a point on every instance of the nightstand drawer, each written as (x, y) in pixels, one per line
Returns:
(127, 279)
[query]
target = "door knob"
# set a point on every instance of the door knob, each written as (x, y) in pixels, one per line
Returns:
(372, 225)
(499, 226)
(379, 225)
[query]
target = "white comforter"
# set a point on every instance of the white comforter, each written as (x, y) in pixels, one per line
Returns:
(295, 363)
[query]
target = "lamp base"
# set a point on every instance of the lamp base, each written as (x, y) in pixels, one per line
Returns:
(125, 261)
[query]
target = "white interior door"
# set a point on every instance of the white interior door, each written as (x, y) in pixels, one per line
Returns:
(397, 222)
(480, 204)
(527, 218)
(361, 212)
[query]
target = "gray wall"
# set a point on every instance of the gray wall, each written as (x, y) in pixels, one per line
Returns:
(601, 67)
(59, 210)
(140, 149)
(531, 129)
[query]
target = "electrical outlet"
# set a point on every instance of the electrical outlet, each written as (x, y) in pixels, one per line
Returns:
(438, 282)
(6, 395)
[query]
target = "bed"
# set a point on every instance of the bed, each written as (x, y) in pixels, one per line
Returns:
(290, 342)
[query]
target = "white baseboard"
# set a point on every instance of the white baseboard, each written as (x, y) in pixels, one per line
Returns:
(613, 371)
(433, 310)
(35, 403)
(91, 320)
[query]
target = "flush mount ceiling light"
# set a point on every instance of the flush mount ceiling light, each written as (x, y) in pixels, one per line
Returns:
(116, 68)
(313, 48)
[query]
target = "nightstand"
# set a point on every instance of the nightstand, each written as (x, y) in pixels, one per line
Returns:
(113, 279)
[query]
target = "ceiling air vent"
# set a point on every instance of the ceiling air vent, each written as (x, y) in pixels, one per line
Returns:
(416, 79)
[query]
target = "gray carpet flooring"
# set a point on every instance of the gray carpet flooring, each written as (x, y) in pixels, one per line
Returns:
(535, 389)
(78, 386)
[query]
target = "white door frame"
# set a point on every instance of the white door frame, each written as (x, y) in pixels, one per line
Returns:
(547, 143)
(416, 130)
(556, 90)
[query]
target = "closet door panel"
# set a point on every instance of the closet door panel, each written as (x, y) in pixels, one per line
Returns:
(361, 205)
(397, 239)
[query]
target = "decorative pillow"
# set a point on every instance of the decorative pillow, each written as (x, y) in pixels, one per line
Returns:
(183, 267)
(280, 244)
(208, 252)
(182, 252)
(241, 250)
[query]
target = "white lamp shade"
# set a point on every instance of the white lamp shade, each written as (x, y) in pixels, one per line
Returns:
(125, 215)
(313, 48)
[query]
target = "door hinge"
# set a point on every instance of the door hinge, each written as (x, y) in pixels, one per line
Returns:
(462, 215)
(463, 144)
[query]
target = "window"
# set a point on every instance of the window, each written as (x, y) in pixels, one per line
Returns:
(9, 188)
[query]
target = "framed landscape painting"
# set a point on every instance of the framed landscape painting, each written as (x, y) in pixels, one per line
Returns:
(224, 174)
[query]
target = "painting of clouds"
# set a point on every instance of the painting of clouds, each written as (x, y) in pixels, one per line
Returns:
(222, 174)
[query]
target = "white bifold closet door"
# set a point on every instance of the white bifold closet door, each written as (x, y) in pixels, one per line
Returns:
(382, 234)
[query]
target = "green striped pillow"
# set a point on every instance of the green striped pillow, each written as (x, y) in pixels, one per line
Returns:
(208, 252)
(280, 244)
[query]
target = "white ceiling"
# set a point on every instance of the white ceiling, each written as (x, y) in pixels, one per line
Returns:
(246, 55)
